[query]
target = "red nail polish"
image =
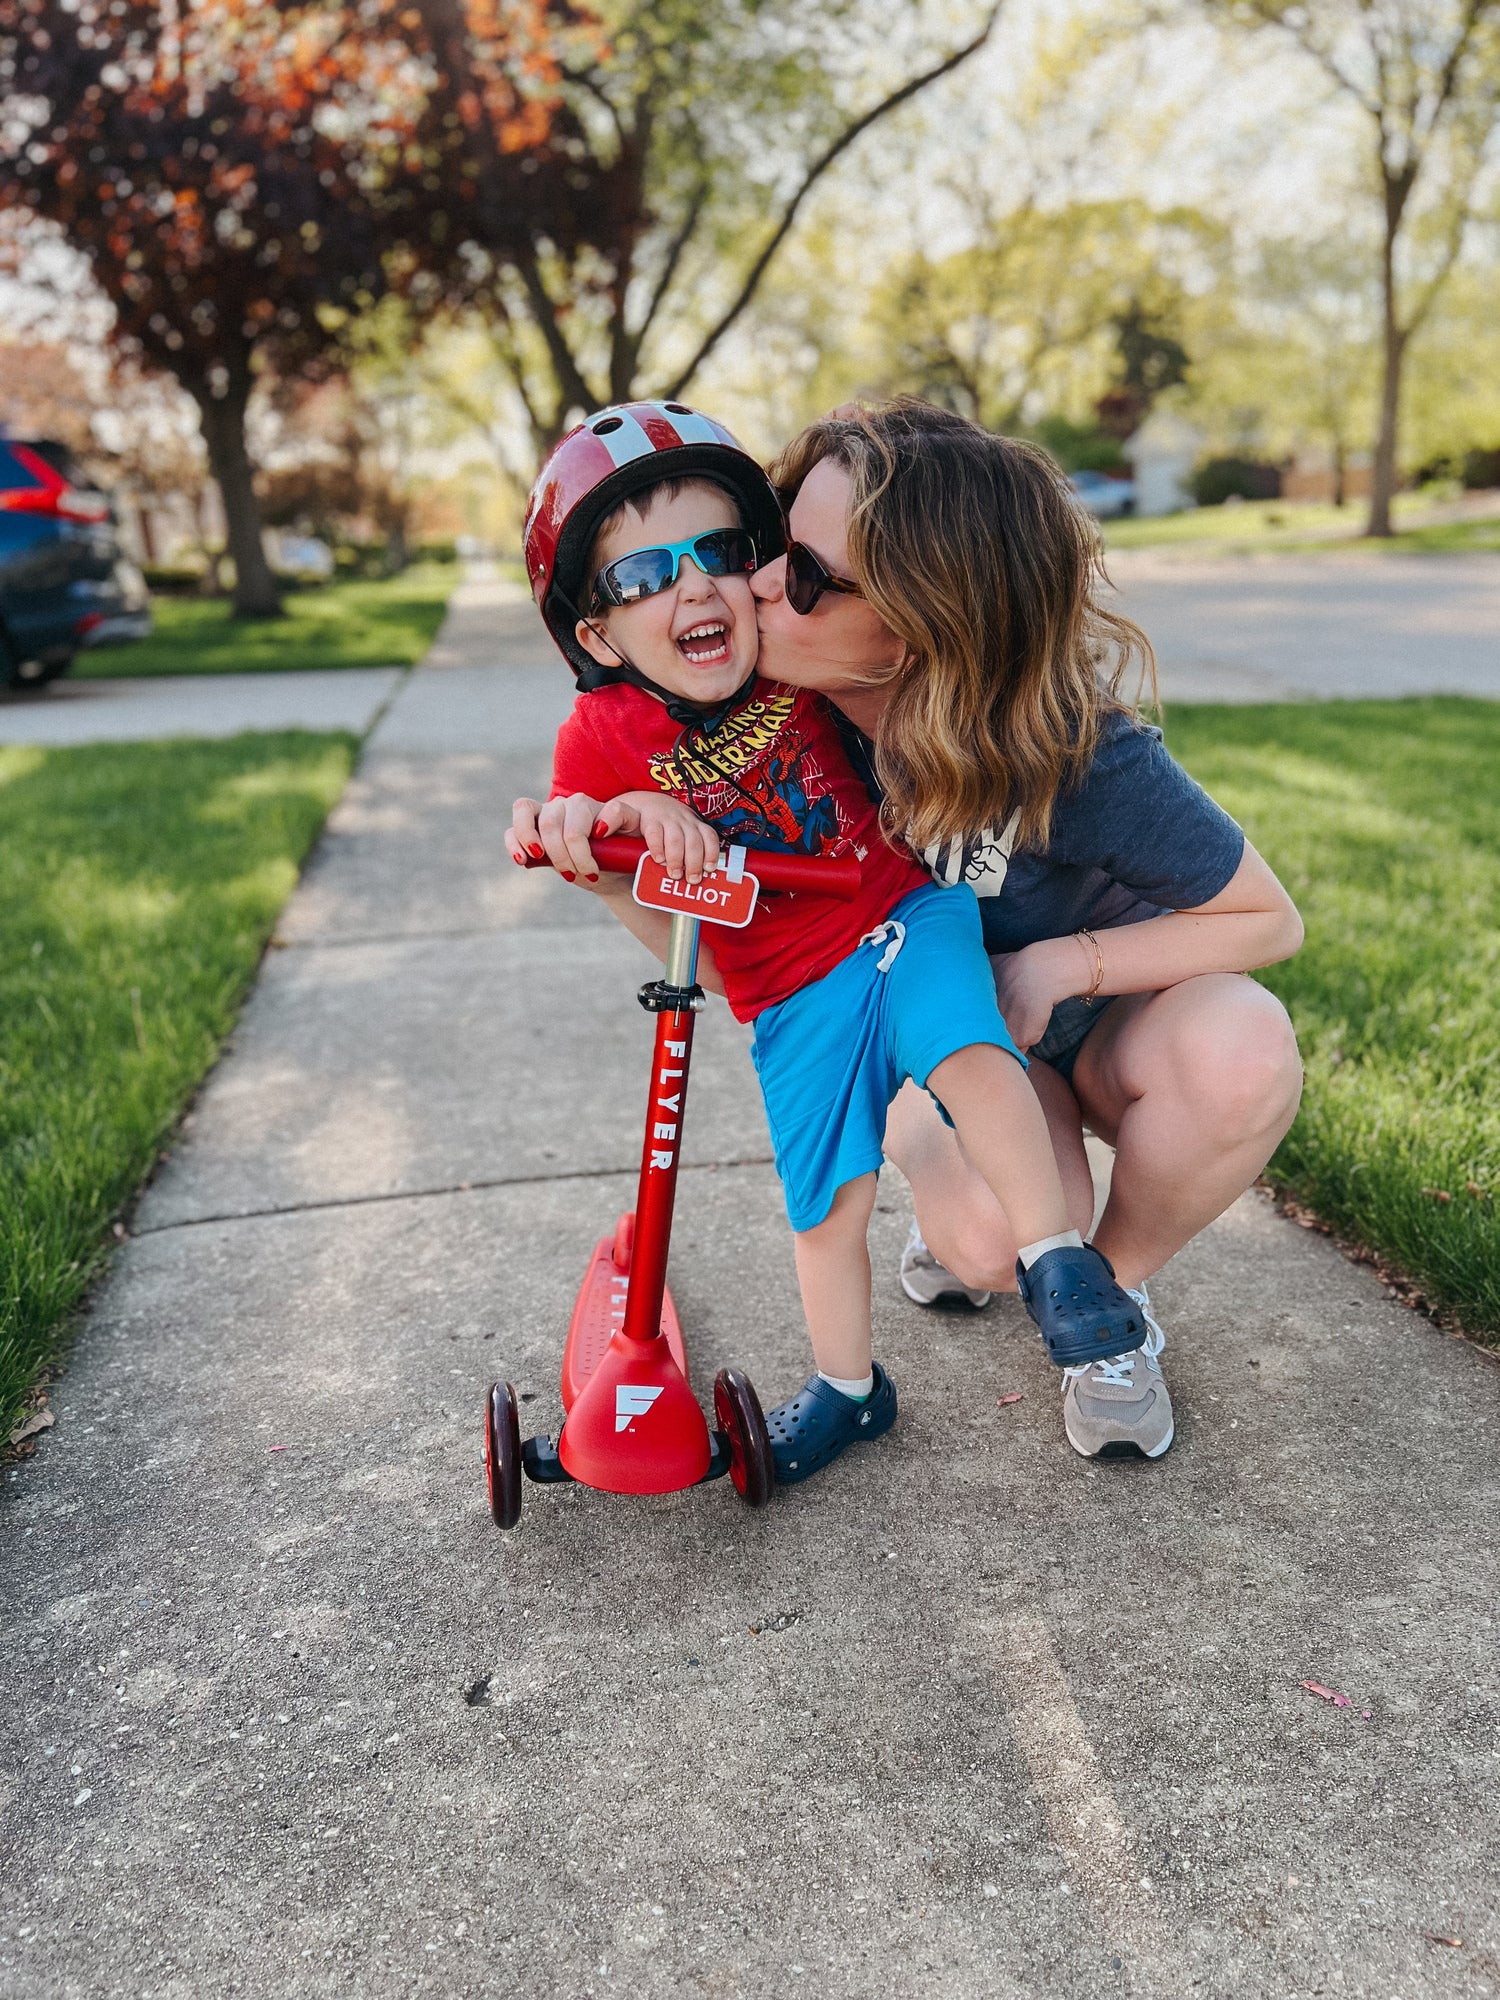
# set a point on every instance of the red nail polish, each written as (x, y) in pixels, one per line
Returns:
(591, 878)
(599, 829)
(537, 853)
(568, 875)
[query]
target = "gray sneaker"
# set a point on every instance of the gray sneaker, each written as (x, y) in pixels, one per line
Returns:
(1114, 1408)
(930, 1283)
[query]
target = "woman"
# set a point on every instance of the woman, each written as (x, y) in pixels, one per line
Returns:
(941, 592)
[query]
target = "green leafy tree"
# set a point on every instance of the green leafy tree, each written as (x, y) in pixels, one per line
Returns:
(1048, 311)
(1423, 78)
(710, 123)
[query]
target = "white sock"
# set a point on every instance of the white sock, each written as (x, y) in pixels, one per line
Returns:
(858, 1390)
(1068, 1240)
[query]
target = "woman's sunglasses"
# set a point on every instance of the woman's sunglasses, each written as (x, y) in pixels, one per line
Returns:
(806, 579)
(644, 572)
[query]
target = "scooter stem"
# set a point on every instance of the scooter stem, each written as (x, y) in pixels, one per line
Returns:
(657, 1192)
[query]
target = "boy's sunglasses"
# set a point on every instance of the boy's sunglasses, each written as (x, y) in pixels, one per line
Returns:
(722, 552)
(806, 579)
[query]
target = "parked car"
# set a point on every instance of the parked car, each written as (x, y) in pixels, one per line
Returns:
(305, 557)
(64, 583)
(1106, 499)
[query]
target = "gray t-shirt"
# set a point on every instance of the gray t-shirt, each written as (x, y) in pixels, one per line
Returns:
(1135, 837)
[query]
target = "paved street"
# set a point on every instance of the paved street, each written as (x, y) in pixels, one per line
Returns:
(281, 1713)
(1280, 628)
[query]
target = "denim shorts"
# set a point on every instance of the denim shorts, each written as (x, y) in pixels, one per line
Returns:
(832, 1056)
(1070, 1026)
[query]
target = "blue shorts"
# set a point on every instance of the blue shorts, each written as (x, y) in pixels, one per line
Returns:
(832, 1057)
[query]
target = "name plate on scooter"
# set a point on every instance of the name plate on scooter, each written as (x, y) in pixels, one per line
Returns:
(727, 896)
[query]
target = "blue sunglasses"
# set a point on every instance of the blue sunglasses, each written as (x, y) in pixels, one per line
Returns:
(722, 552)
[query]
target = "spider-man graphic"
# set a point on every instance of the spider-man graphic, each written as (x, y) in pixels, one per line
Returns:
(768, 802)
(777, 814)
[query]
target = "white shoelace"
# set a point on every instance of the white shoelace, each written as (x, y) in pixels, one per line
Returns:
(1117, 1371)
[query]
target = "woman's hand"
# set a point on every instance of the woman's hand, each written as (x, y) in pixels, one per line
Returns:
(557, 832)
(1029, 984)
(561, 831)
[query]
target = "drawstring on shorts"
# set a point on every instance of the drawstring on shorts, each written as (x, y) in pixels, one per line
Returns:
(892, 934)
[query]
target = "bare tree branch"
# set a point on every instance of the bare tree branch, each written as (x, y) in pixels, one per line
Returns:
(814, 174)
(673, 258)
(572, 388)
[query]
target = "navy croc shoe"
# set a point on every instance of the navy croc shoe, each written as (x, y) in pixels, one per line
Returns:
(1082, 1314)
(814, 1426)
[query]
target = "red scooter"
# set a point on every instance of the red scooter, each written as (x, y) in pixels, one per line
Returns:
(632, 1424)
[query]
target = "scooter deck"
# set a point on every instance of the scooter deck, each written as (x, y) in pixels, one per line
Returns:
(600, 1312)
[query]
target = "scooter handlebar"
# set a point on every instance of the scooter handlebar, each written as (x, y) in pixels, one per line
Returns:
(838, 879)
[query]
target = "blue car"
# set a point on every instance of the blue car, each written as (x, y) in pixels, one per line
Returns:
(1106, 499)
(64, 583)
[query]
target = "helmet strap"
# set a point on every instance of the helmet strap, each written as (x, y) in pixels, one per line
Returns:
(682, 711)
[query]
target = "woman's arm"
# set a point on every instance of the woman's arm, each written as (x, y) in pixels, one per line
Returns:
(1251, 922)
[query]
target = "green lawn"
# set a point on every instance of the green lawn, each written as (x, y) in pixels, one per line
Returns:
(384, 624)
(1298, 527)
(1383, 820)
(138, 885)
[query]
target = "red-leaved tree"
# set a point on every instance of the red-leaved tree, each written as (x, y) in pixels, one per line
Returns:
(242, 176)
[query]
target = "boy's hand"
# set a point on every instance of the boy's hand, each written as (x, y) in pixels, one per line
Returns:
(683, 844)
(557, 831)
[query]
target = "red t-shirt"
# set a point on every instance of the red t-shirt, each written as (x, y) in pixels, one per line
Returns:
(773, 775)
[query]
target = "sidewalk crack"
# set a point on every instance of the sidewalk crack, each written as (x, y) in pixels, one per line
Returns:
(436, 1193)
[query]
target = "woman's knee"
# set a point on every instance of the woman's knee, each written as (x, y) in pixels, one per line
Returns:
(1238, 1059)
(985, 1263)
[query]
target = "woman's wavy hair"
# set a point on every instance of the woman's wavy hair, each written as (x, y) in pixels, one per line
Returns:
(973, 550)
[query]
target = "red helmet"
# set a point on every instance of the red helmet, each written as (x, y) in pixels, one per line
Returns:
(609, 456)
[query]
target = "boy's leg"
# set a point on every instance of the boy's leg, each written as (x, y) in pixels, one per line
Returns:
(1003, 1130)
(849, 1400)
(1067, 1287)
(833, 1270)
(961, 1222)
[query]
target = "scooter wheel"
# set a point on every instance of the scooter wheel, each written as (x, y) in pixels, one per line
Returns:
(740, 1417)
(502, 1454)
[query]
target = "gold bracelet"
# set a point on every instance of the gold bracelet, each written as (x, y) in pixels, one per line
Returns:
(1098, 980)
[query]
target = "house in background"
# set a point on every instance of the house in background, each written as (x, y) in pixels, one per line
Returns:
(1163, 453)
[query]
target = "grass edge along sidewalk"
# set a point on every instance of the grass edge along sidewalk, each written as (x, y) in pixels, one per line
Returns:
(139, 884)
(385, 623)
(1383, 820)
(1299, 527)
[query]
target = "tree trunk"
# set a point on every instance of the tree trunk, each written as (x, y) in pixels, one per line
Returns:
(1383, 472)
(1340, 479)
(397, 552)
(256, 593)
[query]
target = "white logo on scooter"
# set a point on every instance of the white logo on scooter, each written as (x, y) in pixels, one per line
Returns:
(632, 1400)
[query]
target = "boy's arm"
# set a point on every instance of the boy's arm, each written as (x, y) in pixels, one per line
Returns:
(561, 830)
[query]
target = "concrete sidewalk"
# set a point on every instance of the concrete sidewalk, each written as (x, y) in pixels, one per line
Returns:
(283, 1714)
(139, 711)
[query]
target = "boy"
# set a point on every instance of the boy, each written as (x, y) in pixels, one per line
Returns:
(644, 527)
